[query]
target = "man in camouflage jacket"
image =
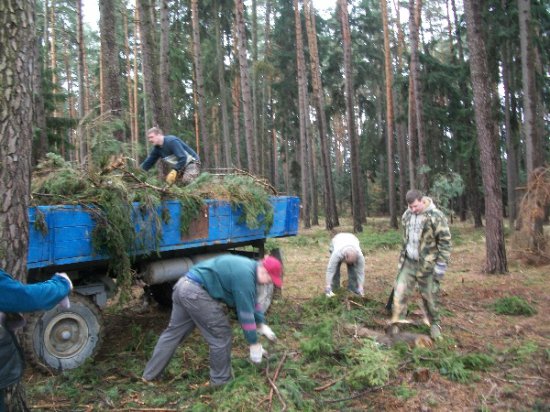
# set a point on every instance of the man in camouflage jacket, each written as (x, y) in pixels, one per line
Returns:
(423, 260)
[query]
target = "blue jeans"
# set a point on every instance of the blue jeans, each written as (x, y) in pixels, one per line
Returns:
(193, 307)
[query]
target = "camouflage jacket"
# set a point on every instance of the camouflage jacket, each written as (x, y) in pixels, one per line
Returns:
(435, 240)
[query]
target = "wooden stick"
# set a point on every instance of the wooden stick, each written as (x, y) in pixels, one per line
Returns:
(327, 385)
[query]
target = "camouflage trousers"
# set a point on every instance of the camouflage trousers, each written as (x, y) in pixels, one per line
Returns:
(410, 276)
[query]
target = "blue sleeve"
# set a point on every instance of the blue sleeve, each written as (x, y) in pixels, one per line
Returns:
(151, 159)
(19, 297)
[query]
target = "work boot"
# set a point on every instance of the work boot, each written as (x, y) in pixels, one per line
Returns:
(435, 332)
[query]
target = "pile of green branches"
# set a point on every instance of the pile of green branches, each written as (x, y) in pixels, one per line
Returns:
(120, 198)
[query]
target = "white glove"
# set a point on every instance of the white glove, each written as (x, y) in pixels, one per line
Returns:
(267, 332)
(65, 303)
(64, 275)
(328, 292)
(256, 353)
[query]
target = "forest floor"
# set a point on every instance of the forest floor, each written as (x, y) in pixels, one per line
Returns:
(486, 361)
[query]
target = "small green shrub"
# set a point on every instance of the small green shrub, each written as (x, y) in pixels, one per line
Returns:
(373, 366)
(319, 342)
(514, 306)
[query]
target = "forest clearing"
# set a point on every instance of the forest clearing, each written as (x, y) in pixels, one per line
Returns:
(486, 361)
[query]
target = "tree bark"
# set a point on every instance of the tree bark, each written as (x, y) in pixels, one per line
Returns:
(152, 108)
(251, 153)
(511, 152)
(110, 60)
(203, 152)
(223, 93)
(414, 23)
(82, 92)
(235, 95)
(17, 73)
(389, 116)
(164, 67)
(305, 165)
(487, 140)
(533, 145)
(331, 214)
(350, 107)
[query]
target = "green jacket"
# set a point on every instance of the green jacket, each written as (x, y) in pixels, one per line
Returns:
(435, 240)
(231, 279)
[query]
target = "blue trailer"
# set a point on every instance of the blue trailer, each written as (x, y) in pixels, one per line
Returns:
(60, 240)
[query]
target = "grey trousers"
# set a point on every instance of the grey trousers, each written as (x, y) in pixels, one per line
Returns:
(193, 306)
(352, 277)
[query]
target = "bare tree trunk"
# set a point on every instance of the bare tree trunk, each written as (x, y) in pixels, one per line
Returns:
(136, 76)
(149, 62)
(511, 153)
(389, 115)
(41, 148)
(487, 140)
(235, 94)
(412, 136)
(82, 146)
(414, 23)
(110, 59)
(350, 105)
(268, 115)
(129, 88)
(251, 153)
(302, 110)
(205, 152)
(400, 126)
(223, 93)
(17, 72)
(164, 67)
(533, 146)
(331, 215)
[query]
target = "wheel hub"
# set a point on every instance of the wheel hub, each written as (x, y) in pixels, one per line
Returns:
(66, 335)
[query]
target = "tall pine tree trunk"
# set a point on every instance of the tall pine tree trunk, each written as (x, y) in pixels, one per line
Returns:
(487, 140)
(533, 147)
(251, 153)
(17, 60)
(415, 10)
(199, 79)
(511, 152)
(389, 115)
(149, 59)
(331, 214)
(82, 92)
(164, 67)
(350, 107)
(302, 113)
(112, 103)
(220, 55)
(235, 96)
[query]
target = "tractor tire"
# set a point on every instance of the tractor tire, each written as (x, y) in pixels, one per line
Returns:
(62, 339)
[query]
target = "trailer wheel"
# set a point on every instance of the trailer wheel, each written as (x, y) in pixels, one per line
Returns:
(62, 339)
(264, 296)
